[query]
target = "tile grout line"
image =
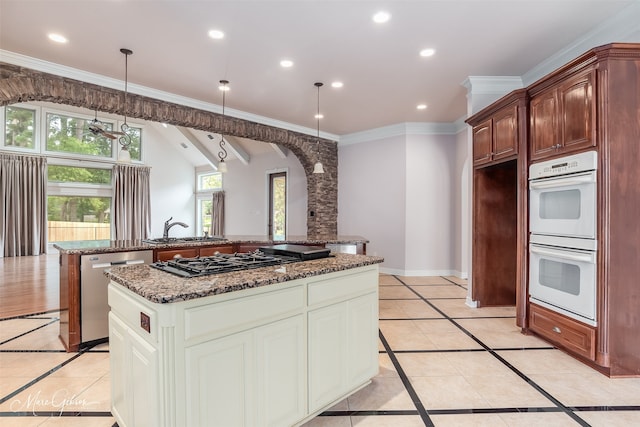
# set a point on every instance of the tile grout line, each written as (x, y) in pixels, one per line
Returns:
(529, 381)
(407, 383)
(28, 332)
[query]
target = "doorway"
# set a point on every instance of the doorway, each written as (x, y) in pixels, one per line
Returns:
(277, 205)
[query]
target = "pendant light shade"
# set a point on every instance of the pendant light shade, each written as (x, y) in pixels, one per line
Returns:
(124, 155)
(318, 168)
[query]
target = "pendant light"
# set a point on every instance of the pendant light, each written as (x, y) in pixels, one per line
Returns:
(318, 168)
(125, 140)
(222, 154)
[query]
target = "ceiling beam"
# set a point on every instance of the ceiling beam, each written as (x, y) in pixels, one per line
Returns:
(211, 158)
(282, 151)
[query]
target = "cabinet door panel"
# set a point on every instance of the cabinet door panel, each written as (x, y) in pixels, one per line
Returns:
(327, 349)
(505, 133)
(544, 135)
(119, 373)
(482, 141)
(577, 121)
(281, 382)
(219, 373)
(144, 374)
(362, 338)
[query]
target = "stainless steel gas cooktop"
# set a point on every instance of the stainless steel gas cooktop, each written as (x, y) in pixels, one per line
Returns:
(225, 263)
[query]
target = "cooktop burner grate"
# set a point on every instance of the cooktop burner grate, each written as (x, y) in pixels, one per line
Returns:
(222, 263)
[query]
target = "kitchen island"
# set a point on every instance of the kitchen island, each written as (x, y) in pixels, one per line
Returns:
(269, 346)
(71, 254)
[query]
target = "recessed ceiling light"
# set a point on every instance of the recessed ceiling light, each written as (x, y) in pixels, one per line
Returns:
(216, 34)
(286, 63)
(318, 116)
(381, 17)
(427, 52)
(57, 38)
(421, 106)
(337, 84)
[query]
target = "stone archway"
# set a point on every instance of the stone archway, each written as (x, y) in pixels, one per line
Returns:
(19, 84)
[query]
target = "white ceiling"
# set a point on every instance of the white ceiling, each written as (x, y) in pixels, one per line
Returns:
(384, 77)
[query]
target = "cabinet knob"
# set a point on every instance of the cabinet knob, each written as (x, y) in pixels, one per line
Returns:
(556, 330)
(177, 256)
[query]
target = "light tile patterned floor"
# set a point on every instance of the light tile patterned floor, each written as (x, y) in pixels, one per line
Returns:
(441, 364)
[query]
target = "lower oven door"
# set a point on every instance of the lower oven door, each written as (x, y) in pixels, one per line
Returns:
(564, 280)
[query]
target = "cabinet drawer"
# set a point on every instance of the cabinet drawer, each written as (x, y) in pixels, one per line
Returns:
(177, 253)
(241, 313)
(567, 333)
(211, 250)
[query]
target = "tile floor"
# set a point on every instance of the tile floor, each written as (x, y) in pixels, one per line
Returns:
(441, 364)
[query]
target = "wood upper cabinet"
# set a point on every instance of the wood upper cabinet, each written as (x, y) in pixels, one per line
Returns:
(496, 135)
(563, 116)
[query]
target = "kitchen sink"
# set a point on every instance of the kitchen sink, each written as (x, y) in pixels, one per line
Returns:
(161, 240)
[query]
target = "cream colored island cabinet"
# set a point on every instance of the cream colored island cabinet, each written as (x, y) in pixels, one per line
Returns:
(273, 355)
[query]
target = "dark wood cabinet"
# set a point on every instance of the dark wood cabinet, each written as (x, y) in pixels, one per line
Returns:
(592, 103)
(500, 203)
(497, 138)
(212, 250)
(563, 116)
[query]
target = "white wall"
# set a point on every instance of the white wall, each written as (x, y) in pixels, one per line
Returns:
(172, 184)
(246, 189)
(430, 202)
(371, 197)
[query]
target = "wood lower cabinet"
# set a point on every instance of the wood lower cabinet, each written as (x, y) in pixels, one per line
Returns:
(563, 116)
(567, 333)
(269, 356)
(212, 250)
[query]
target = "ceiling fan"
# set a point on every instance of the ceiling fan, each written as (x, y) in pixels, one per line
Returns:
(97, 128)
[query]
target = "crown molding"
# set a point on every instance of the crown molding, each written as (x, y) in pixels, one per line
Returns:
(492, 84)
(400, 129)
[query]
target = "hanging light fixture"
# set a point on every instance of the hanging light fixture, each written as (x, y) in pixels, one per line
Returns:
(222, 154)
(318, 168)
(125, 140)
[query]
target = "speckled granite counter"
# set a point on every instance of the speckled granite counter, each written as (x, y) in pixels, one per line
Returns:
(160, 287)
(87, 247)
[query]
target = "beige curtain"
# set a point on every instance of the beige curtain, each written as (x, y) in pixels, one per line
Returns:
(132, 202)
(217, 214)
(23, 205)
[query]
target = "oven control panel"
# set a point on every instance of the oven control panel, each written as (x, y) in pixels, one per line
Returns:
(581, 162)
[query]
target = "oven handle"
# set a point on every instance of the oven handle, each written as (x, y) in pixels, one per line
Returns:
(584, 178)
(571, 256)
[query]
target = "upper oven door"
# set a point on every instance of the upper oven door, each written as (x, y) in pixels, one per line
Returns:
(564, 206)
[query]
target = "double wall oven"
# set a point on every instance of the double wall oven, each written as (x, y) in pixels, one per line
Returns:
(563, 235)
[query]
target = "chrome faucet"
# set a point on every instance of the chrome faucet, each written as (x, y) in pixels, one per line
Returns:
(167, 226)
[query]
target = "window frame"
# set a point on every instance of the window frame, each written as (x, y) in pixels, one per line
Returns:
(36, 128)
(202, 195)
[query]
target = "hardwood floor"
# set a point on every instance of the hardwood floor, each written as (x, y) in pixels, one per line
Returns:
(29, 284)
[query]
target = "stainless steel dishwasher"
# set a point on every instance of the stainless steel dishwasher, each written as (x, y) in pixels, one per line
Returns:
(94, 307)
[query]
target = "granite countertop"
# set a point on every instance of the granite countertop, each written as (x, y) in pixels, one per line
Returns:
(160, 287)
(85, 247)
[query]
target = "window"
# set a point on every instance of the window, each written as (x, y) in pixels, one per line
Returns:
(78, 203)
(207, 183)
(135, 149)
(66, 134)
(19, 127)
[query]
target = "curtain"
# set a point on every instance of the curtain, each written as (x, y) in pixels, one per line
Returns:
(217, 214)
(23, 205)
(132, 202)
